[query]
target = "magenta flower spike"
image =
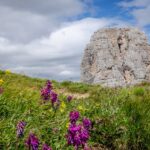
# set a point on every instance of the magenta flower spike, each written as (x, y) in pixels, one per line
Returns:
(74, 116)
(53, 97)
(84, 135)
(45, 92)
(32, 142)
(73, 136)
(49, 85)
(20, 128)
(78, 134)
(69, 98)
(87, 123)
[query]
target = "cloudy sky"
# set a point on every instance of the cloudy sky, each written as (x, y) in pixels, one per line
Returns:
(46, 38)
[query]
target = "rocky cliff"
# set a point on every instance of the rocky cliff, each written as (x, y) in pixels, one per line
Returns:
(116, 57)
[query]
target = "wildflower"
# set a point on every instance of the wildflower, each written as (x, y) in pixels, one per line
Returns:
(20, 128)
(49, 84)
(78, 134)
(84, 135)
(80, 108)
(53, 97)
(62, 110)
(48, 94)
(69, 98)
(73, 128)
(32, 142)
(1, 81)
(73, 135)
(77, 140)
(67, 125)
(7, 71)
(63, 105)
(46, 147)
(45, 93)
(74, 116)
(87, 123)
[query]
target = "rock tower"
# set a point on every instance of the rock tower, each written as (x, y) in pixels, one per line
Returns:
(116, 57)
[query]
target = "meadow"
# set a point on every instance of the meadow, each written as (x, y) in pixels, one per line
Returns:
(120, 117)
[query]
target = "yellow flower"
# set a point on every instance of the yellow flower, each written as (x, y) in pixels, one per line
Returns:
(7, 71)
(67, 125)
(1, 81)
(80, 108)
(62, 110)
(63, 105)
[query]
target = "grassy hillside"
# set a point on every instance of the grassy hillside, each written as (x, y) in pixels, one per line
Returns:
(120, 116)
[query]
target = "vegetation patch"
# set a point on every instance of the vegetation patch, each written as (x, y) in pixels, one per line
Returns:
(33, 114)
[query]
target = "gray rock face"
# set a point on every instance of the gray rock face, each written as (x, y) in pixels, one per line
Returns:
(116, 57)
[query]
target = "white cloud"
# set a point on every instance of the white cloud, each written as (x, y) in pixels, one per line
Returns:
(134, 3)
(56, 56)
(142, 16)
(23, 26)
(55, 8)
(23, 21)
(66, 73)
(139, 9)
(68, 40)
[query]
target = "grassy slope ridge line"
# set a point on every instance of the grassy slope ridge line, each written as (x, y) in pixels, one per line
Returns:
(120, 116)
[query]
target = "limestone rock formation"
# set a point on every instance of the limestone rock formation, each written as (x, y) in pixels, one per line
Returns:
(116, 57)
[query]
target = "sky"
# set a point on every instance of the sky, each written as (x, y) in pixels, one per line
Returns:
(46, 38)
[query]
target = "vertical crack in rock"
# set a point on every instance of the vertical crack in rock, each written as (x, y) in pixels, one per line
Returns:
(116, 57)
(128, 74)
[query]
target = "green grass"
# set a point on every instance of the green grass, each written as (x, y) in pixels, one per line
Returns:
(120, 116)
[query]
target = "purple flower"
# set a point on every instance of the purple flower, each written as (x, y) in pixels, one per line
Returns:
(74, 116)
(84, 135)
(87, 123)
(48, 94)
(78, 134)
(45, 93)
(73, 137)
(69, 98)
(49, 85)
(46, 147)
(20, 128)
(77, 140)
(73, 128)
(32, 142)
(54, 97)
